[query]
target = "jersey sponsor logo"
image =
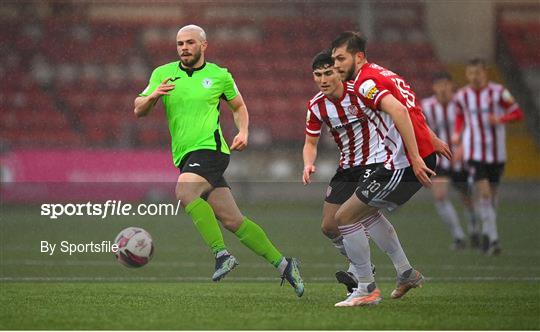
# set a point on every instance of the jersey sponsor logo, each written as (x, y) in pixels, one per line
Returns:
(194, 165)
(207, 83)
(174, 79)
(369, 90)
(347, 125)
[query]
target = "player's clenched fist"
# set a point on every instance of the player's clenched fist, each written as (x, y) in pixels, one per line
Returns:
(162, 89)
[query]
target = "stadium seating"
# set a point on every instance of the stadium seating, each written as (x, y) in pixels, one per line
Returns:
(523, 42)
(85, 72)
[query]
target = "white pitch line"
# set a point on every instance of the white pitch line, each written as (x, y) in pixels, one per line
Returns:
(437, 251)
(206, 279)
(188, 264)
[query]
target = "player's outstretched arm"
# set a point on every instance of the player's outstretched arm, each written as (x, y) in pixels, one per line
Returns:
(143, 105)
(241, 120)
(309, 155)
(400, 116)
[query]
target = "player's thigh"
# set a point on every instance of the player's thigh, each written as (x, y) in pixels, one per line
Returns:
(495, 172)
(190, 186)
(483, 188)
(329, 224)
(440, 187)
(353, 210)
(225, 208)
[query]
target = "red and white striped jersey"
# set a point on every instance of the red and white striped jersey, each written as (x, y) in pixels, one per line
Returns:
(354, 133)
(482, 141)
(442, 120)
(372, 83)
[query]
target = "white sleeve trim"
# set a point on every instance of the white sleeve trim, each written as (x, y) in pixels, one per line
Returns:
(512, 108)
(382, 93)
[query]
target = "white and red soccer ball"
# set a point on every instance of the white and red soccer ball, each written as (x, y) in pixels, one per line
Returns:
(135, 247)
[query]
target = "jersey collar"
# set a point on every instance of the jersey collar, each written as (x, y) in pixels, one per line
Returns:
(190, 71)
(360, 71)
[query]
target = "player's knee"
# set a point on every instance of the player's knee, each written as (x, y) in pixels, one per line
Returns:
(184, 196)
(231, 223)
(330, 231)
(439, 197)
(485, 194)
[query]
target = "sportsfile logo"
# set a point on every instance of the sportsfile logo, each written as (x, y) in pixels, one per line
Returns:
(109, 208)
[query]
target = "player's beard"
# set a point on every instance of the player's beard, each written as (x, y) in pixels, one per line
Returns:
(196, 56)
(349, 74)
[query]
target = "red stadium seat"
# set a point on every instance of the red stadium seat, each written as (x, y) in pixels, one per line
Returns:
(270, 59)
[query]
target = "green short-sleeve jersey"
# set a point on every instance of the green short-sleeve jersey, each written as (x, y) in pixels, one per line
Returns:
(193, 106)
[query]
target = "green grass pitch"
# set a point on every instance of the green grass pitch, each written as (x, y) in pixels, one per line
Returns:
(465, 290)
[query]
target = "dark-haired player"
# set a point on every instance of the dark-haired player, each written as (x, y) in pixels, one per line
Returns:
(409, 165)
(441, 111)
(484, 109)
(360, 146)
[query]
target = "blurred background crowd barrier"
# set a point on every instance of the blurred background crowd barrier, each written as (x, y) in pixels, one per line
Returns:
(71, 70)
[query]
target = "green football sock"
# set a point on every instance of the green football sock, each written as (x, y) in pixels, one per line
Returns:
(205, 220)
(253, 237)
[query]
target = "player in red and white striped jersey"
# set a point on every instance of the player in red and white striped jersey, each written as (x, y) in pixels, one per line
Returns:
(485, 107)
(440, 111)
(359, 142)
(353, 131)
(410, 164)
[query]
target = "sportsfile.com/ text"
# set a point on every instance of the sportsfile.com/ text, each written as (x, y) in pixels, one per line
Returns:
(109, 208)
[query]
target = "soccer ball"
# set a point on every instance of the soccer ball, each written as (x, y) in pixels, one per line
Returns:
(135, 247)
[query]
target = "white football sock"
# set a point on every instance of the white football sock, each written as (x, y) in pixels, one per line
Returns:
(338, 244)
(384, 235)
(449, 216)
(282, 266)
(472, 223)
(357, 247)
(351, 269)
(488, 217)
(222, 253)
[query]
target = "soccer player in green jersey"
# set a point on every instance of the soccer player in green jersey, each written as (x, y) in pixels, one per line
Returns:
(191, 90)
